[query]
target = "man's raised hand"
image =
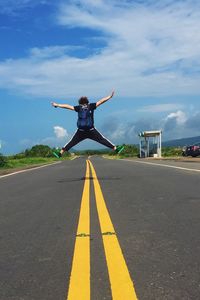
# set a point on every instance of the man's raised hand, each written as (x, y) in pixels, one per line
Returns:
(54, 104)
(112, 94)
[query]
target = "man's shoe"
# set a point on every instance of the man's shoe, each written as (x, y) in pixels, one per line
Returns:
(119, 149)
(57, 154)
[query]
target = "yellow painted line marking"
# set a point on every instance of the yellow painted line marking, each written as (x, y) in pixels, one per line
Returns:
(79, 286)
(121, 283)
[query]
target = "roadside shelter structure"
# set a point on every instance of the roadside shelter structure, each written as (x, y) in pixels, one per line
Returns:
(150, 143)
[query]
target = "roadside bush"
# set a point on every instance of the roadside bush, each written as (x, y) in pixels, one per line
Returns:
(171, 151)
(129, 151)
(3, 160)
(92, 152)
(39, 151)
(18, 156)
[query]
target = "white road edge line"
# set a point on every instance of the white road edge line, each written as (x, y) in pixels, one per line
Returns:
(74, 158)
(161, 165)
(27, 170)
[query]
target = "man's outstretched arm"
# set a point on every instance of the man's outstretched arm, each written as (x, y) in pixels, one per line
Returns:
(103, 100)
(67, 106)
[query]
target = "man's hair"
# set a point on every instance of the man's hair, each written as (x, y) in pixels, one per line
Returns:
(83, 100)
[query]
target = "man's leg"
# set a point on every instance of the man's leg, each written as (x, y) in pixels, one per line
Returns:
(77, 138)
(95, 135)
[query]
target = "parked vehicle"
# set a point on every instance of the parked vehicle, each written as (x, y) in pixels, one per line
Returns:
(192, 150)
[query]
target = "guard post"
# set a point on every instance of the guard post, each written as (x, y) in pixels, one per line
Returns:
(148, 148)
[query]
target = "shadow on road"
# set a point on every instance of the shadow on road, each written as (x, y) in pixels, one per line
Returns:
(91, 178)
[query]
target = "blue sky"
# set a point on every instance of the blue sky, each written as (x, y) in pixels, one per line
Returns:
(148, 51)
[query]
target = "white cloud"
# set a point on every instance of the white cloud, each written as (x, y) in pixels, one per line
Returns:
(2, 144)
(119, 133)
(178, 124)
(60, 132)
(179, 116)
(153, 48)
(160, 108)
(48, 52)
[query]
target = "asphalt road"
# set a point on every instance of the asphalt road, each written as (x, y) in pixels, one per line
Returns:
(149, 231)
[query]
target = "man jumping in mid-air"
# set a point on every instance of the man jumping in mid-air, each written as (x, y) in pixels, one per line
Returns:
(85, 124)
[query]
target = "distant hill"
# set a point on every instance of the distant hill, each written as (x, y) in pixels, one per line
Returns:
(181, 142)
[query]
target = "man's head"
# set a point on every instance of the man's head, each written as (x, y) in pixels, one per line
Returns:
(83, 100)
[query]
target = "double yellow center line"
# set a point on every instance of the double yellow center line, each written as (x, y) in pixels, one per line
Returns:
(122, 287)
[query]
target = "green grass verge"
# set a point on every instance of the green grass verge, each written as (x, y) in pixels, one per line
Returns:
(29, 161)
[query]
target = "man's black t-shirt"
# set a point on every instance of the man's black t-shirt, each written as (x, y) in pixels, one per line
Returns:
(92, 107)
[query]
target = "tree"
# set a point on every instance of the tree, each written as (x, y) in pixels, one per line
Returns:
(39, 151)
(3, 160)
